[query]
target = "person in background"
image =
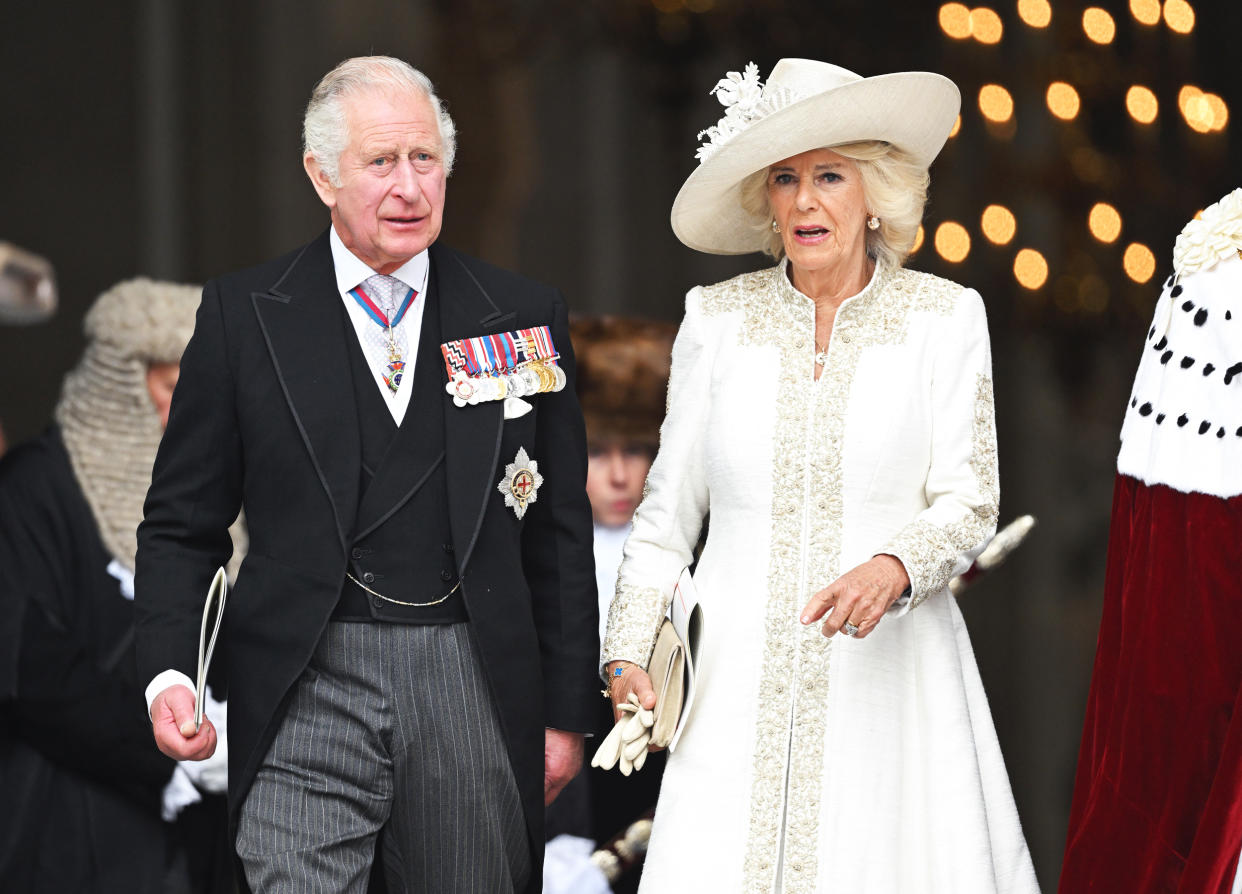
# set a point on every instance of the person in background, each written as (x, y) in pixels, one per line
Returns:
(623, 365)
(89, 803)
(1158, 792)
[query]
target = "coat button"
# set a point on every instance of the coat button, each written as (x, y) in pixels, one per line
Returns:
(368, 578)
(447, 547)
(446, 576)
(355, 553)
(377, 602)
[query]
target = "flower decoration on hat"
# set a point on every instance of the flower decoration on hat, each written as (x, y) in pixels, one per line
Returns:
(1213, 237)
(746, 100)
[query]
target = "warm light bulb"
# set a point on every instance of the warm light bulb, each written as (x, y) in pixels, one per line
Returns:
(998, 224)
(1030, 269)
(1219, 111)
(955, 20)
(952, 241)
(1179, 16)
(957, 125)
(918, 240)
(1062, 100)
(1098, 25)
(1142, 105)
(1145, 12)
(1036, 13)
(986, 26)
(1104, 222)
(995, 103)
(1139, 262)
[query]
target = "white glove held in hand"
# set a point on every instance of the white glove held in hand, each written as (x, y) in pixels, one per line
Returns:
(626, 744)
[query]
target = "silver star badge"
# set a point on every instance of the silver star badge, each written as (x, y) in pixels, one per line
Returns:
(521, 482)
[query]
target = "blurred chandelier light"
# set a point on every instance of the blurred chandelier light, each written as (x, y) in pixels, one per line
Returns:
(1062, 100)
(1145, 12)
(995, 103)
(918, 240)
(986, 26)
(955, 20)
(1142, 105)
(1139, 262)
(1030, 269)
(1179, 16)
(1104, 222)
(952, 241)
(1036, 13)
(957, 125)
(1098, 25)
(1204, 112)
(998, 224)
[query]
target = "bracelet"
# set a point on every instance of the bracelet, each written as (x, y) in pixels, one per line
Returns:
(617, 671)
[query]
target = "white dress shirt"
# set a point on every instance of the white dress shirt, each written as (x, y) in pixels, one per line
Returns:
(352, 271)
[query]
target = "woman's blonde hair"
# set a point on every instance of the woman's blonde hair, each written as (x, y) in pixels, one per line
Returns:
(894, 190)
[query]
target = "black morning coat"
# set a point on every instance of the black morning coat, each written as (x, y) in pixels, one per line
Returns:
(263, 417)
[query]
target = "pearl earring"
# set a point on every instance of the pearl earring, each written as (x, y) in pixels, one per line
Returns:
(776, 228)
(873, 222)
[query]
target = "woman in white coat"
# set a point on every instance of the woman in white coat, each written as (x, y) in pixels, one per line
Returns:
(834, 414)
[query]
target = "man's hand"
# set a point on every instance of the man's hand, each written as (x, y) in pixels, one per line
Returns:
(562, 759)
(172, 724)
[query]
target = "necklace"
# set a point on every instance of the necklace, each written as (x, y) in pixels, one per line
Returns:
(821, 359)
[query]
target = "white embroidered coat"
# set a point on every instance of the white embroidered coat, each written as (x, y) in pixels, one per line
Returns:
(809, 764)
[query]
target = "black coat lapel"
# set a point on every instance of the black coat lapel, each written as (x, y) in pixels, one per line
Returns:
(418, 445)
(300, 317)
(471, 434)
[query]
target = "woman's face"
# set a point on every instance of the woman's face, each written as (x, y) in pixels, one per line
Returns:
(817, 200)
(616, 471)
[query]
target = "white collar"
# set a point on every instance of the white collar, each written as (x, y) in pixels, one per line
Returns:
(351, 270)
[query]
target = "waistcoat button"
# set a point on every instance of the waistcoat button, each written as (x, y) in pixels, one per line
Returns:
(368, 578)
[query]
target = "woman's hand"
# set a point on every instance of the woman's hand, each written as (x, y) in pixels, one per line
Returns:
(632, 679)
(860, 596)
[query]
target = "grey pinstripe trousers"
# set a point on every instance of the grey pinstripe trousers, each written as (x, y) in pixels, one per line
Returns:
(390, 727)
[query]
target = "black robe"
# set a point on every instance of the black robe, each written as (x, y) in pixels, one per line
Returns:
(80, 777)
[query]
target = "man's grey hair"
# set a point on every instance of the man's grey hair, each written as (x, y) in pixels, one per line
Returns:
(325, 127)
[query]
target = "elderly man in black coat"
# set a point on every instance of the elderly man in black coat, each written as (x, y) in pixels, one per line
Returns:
(411, 640)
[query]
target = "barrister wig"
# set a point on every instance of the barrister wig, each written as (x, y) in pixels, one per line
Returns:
(106, 416)
(623, 367)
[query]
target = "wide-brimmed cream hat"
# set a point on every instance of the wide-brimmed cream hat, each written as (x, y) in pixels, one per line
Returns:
(804, 105)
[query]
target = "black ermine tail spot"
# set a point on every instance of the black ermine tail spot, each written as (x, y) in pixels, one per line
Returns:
(1208, 368)
(1228, 316)
(1159, 418)
(1145, 410)
(1151, 332)
(1164, 358)
(1232, 371)
(1188, 362)
(1182, 420)
(1204, 426)
(1201, 316)
(1188, 306)
(1133, 402)
(1160, 345)
(1177, 290)
(1220, 432)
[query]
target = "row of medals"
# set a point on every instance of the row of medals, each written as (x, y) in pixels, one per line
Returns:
(535, 377)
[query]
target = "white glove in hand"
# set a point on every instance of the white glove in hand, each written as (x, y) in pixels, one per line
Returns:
(626, 743)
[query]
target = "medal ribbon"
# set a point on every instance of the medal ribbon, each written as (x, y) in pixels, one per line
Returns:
(501, 353)
(375, 313)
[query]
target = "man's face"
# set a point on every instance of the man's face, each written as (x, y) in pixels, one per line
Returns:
(390, 202)
(616, 471)
(161, 380)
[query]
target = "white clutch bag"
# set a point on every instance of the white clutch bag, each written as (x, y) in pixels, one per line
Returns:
(672, 673)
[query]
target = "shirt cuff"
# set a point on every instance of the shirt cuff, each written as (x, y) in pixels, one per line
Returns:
(162, 681)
